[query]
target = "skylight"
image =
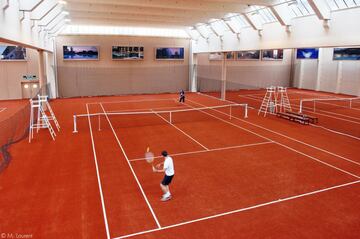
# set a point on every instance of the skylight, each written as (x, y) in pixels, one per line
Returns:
(218, 26)
(299, 8)
(236, 21)
(342, 4)
(203, 29)
(264, 14)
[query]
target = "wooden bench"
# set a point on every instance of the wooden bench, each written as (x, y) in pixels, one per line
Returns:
(312, 119)
(293, 117)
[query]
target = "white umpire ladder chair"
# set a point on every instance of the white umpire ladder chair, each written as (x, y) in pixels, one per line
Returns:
(284, 99)
(45, 100)
(42, 120)
(269, 103)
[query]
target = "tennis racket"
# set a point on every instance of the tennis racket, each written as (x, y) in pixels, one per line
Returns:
(149, 156)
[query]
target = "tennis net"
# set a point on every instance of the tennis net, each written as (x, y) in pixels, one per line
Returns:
(149, 118)
(329, 104)
(15, 128)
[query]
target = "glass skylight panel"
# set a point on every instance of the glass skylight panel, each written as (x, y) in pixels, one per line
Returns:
(342, 4)
(236, 21)
(265, 15)
(350, 3)
(204, 30)
(305, 6)
(193, 33)
(299, 8)
(218, 26)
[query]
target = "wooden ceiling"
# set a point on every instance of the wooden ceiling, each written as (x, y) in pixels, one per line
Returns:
(156, 13)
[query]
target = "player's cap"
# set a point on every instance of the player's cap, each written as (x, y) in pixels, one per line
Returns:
(164, 153)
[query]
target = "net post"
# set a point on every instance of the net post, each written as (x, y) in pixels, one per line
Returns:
(75, 126)
(170, 117)
(230, 112)
(301, 103)
(246, 111)
(350, 103)
(99, 123)
(314, 104)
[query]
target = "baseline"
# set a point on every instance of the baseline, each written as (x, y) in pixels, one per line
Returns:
(242, 209)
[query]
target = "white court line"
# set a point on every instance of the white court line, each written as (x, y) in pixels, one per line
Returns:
(142, 109)
(241, 209)
(285, 146)
(98, 177)
(131, 168)
(209, 150)
(328, 112)
(128, 101)
(288, 137)
(334, 131)
(2, 109)
(189, 136)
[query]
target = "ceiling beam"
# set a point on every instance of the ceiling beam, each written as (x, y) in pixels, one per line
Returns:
(185, 21)
(124, 22)
(86, 7)
(178, 4)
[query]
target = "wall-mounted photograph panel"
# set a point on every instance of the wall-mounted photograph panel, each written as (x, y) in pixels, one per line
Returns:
(230, 55)
(347, 54)
(215, 56)
(307, 53)
(169, 53)
(127, 53)
(248, 55)
(272, 55)
(81, 52)
(12, 53)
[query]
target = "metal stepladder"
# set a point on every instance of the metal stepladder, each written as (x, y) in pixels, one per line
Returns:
(41, 121)
(269, 103)
(284, 99)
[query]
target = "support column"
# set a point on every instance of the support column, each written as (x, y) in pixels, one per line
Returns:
(319, 69)
(223, 77)
(42, 78)
(301, 74)
(338, 77)
(193, 70)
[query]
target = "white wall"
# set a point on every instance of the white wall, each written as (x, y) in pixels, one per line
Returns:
(13, 30)
(114, 77)
(11, 73)
(325, 74)
(242, 74)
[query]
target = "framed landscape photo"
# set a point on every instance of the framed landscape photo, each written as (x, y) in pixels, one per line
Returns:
(248, 55)
(230, 55)
(272, 55)
(169, 53)
(81, 52)
(215, 56)
(307, 53)
(127, 53)
(347, 54)
(12, 53)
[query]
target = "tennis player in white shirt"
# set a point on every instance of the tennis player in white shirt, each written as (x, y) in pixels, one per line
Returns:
(168, 168)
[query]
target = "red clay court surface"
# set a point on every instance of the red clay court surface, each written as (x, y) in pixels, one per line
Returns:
(249, 177)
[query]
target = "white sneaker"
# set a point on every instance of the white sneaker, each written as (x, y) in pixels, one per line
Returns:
(164, 199)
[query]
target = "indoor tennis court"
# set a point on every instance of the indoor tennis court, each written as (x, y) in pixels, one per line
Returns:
(187, 119)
